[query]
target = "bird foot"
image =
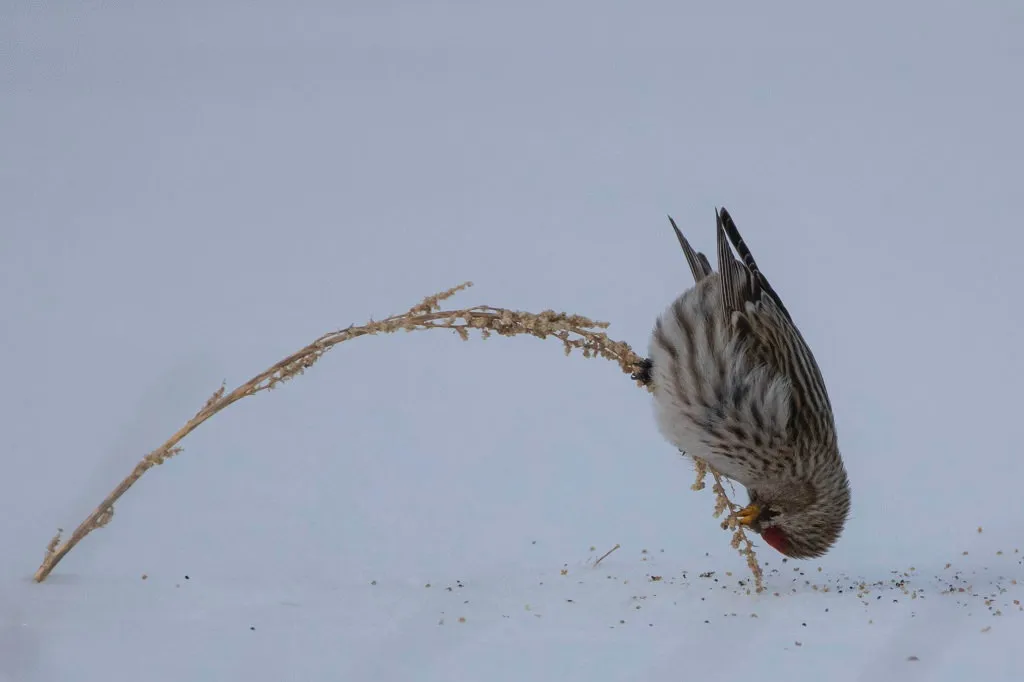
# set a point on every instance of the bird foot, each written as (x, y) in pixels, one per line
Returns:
(643, 374)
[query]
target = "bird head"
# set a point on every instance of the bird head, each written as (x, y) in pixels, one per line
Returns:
(800, 519)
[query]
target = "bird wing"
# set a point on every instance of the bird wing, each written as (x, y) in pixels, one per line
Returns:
(759, 316)
(742, 279)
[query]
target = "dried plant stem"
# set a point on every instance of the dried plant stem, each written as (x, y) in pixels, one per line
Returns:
(574, 331)
(603, 556)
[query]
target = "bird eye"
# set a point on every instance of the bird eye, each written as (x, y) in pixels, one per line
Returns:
(768, 513)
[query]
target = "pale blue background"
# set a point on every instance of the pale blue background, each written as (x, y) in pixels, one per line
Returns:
(190, 191)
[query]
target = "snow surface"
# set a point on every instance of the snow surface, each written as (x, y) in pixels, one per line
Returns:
(191, 191)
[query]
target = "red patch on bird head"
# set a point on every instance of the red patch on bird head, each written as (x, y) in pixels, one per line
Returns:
(776, 538)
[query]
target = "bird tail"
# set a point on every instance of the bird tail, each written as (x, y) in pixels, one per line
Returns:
(699, 265)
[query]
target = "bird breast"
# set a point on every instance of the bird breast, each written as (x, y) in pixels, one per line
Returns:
(713, 399)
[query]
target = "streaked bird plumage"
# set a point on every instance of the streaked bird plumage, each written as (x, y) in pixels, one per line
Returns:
(735, 384)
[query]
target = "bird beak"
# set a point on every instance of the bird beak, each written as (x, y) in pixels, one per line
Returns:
(749, 514)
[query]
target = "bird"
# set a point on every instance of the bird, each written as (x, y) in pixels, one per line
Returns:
(735, 384)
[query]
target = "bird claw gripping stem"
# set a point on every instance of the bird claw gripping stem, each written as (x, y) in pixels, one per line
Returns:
(643, 374)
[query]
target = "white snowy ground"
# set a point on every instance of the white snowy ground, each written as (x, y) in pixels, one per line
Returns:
(191, 191)
(636, 616)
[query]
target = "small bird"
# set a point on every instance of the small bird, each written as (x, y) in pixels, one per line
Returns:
(735, 384)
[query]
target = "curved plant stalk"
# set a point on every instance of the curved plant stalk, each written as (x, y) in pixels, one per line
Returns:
(574, 331)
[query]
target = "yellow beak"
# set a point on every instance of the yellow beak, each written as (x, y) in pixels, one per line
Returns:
(748, 514)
